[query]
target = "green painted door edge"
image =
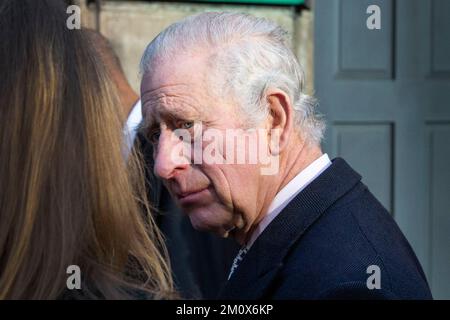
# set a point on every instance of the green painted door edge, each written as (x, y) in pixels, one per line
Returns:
(276, 2)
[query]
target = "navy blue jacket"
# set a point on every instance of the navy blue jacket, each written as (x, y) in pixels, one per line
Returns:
(321, 244)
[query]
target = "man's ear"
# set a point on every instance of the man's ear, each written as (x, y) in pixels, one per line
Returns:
(281, 119)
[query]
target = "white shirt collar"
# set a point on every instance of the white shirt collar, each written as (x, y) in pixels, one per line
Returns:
(292, 189)
(133, 121)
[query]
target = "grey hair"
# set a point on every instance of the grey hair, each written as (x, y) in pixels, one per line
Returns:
(249, 55)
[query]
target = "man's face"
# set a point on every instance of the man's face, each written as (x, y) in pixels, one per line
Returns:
(217, 197)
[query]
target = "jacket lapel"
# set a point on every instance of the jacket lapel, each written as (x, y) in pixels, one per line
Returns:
(253, 277)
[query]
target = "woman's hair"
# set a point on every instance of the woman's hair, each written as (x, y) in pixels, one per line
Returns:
(67, 196)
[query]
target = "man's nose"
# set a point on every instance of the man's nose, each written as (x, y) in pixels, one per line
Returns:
(168, 162)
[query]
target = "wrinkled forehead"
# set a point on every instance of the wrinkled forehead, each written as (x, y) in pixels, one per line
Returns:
(182, 88)
(180, 76)
(173, 97)
(175, 68)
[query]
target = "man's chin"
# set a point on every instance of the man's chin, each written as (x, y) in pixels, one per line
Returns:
(201, 222)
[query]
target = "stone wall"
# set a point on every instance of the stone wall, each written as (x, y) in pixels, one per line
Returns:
(131, 25)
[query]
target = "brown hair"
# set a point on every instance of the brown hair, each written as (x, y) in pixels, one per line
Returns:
(67, 196)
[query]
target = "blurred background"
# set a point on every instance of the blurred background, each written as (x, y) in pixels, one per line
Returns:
(385, 94)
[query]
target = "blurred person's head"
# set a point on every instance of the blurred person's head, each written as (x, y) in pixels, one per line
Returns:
(109, 58)
(66, 194)
(218, 72)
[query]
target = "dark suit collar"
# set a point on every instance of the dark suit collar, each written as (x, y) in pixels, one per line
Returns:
(265, 257)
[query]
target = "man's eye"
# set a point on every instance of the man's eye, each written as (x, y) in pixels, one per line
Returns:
(154, 136)
(187, 124)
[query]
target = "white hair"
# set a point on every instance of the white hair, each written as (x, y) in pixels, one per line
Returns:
(249, 55)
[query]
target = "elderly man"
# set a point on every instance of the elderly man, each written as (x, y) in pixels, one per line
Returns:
(308, 227)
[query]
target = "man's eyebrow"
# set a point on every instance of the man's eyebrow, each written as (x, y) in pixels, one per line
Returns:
(149, 121)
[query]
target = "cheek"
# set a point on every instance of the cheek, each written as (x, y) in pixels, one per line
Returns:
(222, 182)
(236, 186)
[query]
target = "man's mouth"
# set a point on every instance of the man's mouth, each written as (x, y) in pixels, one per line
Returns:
(190, 197)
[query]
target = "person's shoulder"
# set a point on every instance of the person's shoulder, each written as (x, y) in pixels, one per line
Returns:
(334, 256)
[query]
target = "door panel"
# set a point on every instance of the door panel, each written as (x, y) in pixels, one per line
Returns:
(373, 59)
(375, 139)
(386, 97)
